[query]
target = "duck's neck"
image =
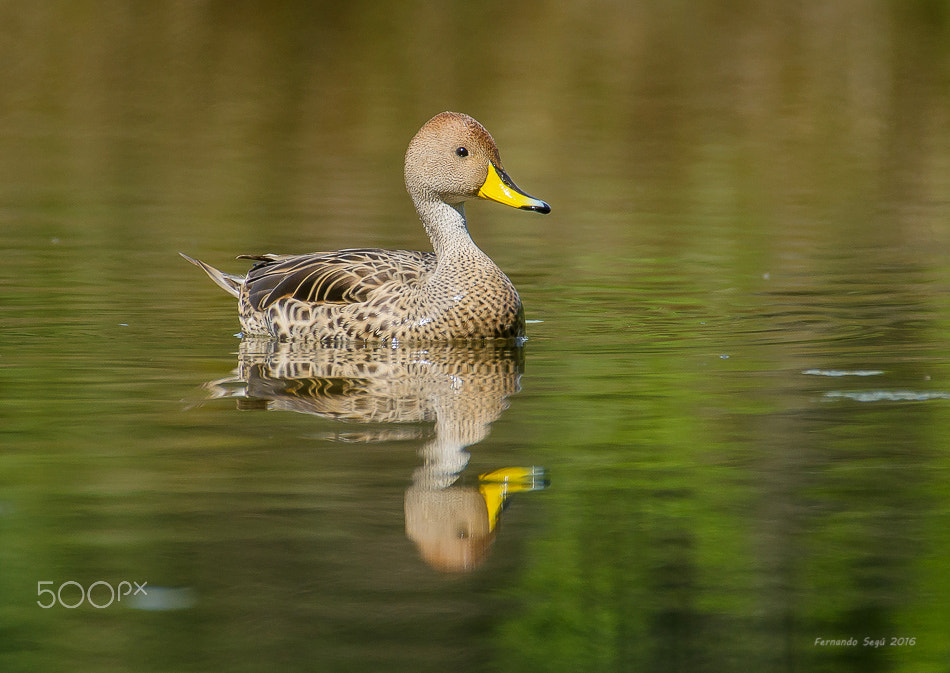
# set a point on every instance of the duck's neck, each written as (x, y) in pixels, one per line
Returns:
(447, 229)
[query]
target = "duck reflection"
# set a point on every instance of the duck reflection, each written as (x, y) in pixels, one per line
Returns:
(462, 389)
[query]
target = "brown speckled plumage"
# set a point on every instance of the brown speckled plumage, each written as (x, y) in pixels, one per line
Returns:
(455, 293)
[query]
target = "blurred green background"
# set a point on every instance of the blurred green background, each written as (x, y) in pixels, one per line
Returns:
(737, 377)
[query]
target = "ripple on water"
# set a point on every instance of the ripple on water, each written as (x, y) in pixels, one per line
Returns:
(843, 372)
(888, 395)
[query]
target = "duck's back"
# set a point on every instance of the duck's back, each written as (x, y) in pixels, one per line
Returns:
(377, 295)
(339, 277)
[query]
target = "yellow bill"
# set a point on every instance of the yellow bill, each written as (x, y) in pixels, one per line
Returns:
(496, 487)
(499, 187)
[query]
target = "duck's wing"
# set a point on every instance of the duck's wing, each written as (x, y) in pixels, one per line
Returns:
(341, 277)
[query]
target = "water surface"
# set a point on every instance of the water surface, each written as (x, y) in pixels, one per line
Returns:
(726, 438)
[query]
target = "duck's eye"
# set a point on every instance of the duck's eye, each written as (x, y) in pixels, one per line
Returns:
(461, 151)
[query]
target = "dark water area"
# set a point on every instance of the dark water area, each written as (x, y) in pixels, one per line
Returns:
(723, 447)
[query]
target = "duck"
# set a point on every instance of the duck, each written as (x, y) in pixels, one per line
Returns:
(454, 292)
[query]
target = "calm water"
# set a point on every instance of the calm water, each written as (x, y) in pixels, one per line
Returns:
(724, 447)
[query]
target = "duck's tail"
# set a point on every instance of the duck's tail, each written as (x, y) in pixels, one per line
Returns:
(226, 281)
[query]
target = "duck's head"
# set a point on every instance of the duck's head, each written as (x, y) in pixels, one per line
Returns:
(453, 158)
